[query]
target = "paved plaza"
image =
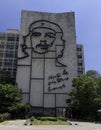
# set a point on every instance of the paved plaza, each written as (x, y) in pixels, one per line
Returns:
(18, 125)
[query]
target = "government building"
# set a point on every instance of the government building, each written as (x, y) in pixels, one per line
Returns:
(8, 51)
(45, 61)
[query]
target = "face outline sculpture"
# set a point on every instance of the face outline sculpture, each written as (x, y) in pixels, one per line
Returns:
(43, 35)
(42, 40)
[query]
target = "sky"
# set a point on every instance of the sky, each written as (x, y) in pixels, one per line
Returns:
(87, 22)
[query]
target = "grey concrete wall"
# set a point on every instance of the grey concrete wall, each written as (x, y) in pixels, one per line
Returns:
(47, 60)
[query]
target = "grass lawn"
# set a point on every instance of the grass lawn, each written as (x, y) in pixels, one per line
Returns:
(46, 121)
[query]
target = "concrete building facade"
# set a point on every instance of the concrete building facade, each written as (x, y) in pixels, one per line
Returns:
(47, 60)
(80, 60)
(8, 51)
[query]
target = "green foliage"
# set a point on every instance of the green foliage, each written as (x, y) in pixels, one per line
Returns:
(62, 118)
(32, 118)
(47, 118)
(5, 78)
(98, 89)
(25, 110)
(10, 98)
(92, 73)
(85, 97)
(98, 80)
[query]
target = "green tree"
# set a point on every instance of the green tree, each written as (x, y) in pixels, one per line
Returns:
(93, 73)
(98, 98)
(5, 78)
(98, 80)
(83, 97)
(10, 98)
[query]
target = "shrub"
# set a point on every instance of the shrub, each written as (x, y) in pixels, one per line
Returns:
(10, 98)
(1, 117)
(32, 118)
(47, 118)
(61, 118)
(4, 116)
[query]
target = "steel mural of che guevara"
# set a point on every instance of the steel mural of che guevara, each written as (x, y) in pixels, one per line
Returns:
(43, 37)
(46, 74)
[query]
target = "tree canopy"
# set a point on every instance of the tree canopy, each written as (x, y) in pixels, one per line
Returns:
(10, 95)
(85, 96)
(93, 73)
(5, 78)
(10, 98)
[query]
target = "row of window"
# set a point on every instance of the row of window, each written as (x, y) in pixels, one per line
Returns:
(9, 45)
(2, 37)
(80, 64)
(1, 46)
(9, 64)
(10, 72)
(79, 56)
(10, 51)
(12, 46)
(12, 38)
(79, 49)
(10, 69)
(2, 42)
(10, 60)
(9, 55)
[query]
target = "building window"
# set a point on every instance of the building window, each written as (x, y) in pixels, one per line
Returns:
(9, 55)
(10, 60)
(0, 63)
(2, 37)
(79, 49)
(11, 38)
(1, 46)
(79, 56)
(80, 72)
(8, 64)
(80, 68)
(1, 54)
(17, 39)
(10, 46)
(79, 63)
